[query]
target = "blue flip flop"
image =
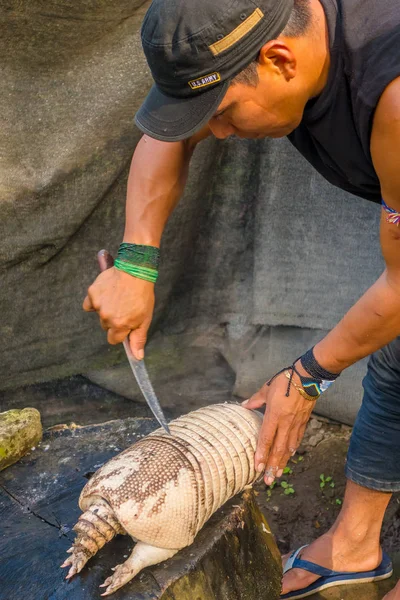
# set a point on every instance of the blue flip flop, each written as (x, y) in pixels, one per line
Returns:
(330, 578)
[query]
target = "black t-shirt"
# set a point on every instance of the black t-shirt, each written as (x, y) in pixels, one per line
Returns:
(334, 135)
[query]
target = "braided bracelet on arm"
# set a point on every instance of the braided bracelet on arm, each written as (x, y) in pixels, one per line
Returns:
(393, 215)
(319, 379)
(139, 261)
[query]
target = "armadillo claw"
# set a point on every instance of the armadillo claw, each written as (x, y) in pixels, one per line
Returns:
(66, 563)
(122, 574)
(76, 562)
(73, 571)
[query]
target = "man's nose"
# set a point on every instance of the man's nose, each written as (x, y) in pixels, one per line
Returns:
(221, 130)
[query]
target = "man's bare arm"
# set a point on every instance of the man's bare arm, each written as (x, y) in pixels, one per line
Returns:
(375, 320)
(156, 182)
(369, 325)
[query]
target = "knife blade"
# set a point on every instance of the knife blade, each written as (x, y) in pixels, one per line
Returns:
(138, 367)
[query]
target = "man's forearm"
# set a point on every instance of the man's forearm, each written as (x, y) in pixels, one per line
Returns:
(370, 324)
(156, 182)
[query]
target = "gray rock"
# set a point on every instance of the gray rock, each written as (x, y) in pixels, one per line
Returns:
(314, 425)
(314, 440)
(260, 243)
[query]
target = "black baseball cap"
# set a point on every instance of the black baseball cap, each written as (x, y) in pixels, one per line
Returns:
(194, 48)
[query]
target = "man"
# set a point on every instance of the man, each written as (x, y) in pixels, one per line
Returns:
(327, 74)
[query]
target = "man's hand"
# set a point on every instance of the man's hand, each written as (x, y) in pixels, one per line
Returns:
(285, 421)
(125, 306)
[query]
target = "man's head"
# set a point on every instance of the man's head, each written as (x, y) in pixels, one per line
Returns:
(252, 80)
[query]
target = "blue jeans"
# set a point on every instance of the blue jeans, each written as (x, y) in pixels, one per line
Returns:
(373, 460)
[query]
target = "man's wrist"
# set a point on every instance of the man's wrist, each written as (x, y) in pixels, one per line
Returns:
(300, 369)
(327, 360)
(141, 239)
(314, 378)
(139, 260)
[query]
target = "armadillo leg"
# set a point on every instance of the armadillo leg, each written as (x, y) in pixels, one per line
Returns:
(143, 555)
(97, 526)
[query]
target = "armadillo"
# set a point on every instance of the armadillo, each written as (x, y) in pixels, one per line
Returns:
(162, 489)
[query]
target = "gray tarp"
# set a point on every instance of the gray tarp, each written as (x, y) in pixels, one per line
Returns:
(260, 259)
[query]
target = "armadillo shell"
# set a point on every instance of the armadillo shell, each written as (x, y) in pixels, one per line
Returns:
(246, 425)
(152, 488)
(163, 488)
(198, 447)
(234, 445)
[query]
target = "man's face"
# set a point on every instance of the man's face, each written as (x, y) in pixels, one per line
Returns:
(257, 112)
(275, 106)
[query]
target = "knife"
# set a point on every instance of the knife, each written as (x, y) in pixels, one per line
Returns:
(138, 367)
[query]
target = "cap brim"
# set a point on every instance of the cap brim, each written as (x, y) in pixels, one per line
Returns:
(173, 119)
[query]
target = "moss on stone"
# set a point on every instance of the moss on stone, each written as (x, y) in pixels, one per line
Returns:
(20, 430)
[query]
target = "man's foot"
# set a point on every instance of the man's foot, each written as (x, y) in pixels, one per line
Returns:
(335, 552)
(352, 545)
(394, 594)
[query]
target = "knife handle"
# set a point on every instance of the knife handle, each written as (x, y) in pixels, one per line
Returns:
(105, 260)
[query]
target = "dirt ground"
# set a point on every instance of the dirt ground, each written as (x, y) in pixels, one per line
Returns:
(300, 517)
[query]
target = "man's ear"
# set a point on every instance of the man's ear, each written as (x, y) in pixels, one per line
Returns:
(278, 59)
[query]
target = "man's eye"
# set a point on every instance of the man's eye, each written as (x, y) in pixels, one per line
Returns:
(219, 114)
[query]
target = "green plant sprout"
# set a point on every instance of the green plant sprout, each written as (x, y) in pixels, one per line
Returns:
(325, 481)
(287, 488)
(269, 491)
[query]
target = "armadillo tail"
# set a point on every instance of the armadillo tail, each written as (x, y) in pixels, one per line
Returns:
(97, 526)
